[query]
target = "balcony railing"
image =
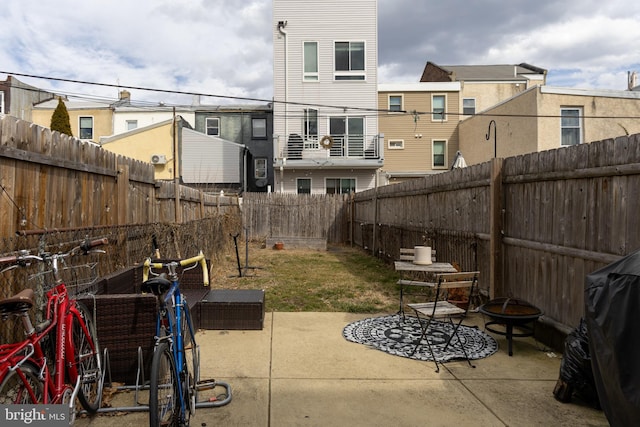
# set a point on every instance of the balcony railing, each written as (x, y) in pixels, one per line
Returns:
(343, 147)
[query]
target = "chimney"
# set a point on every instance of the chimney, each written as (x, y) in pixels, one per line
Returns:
(632, 79)
(125, 95)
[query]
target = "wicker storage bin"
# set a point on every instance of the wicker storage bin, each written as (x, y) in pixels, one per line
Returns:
(232, 309)
(125, 322)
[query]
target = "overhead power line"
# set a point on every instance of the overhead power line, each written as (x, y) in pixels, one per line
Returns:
(370, 111)
(179, 92)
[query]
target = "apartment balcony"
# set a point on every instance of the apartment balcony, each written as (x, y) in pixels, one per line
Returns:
(339, 151)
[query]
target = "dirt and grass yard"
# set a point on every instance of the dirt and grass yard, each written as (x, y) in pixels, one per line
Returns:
(341, 279)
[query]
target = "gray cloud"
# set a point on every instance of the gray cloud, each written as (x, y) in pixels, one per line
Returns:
(224, 47)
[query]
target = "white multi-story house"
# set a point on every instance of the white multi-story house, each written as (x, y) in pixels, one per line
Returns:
(326, 136)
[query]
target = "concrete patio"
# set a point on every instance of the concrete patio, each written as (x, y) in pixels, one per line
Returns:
(299, 370)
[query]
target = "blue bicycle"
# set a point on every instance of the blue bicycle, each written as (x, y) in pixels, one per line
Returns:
(175, 367)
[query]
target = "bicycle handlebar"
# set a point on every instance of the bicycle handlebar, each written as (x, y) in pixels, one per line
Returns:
(148, 265)
(24, 256)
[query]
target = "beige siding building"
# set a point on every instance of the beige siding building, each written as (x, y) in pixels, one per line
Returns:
(89, 120)
(420, 133)
(483, 86)
(544, 118)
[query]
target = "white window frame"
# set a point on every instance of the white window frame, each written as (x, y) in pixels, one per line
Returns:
(257, 135)
(435, 116)
(310, 76)
(351, 74)
(80, 127)
(206, 126)
(131, 124)
(355, 183)
(464, 113)
(1, 102)
(260, 168)
(564, 126)
(433, 155)
(306, 180)
(307, 119)
(395, 144)
(401, 106)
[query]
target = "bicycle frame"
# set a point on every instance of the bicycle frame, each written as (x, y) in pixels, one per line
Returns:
(169, 325)
(61, 311)
(173, 305)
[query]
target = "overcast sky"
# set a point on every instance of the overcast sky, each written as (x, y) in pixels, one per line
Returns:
(224, 47)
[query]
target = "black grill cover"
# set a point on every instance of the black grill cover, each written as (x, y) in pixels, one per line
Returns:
(612, 313)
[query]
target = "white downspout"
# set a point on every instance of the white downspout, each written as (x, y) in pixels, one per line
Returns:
(281, 29)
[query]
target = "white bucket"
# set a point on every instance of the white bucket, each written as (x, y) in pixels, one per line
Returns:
(422, 255)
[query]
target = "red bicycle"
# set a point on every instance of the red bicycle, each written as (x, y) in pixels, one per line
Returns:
(59, 359)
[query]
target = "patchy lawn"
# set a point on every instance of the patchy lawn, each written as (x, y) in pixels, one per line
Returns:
(340, 279)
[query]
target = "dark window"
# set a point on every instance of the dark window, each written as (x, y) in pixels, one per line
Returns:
(304, 185)
(213, 126)
(341, 185)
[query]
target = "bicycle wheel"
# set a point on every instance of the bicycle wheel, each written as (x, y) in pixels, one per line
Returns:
(192, 360)
(163, 389)
(88, 360)
(16, 391)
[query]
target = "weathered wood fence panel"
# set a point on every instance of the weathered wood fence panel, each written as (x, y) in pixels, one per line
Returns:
(296, 215)
(561, 215)
(51, 181)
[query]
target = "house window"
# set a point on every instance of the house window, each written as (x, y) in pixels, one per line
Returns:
(86, 127)
(310, 51)
(303, 185)
(260, 168)
(348, 135)
(341, 185)
(437, 107)
(395, 102)
(468, 106)
(396, 144)
(310, 125)
(259, 128)
(349, 61)
(132, 124)
(439, 154)
(571, 126)
(213, 126)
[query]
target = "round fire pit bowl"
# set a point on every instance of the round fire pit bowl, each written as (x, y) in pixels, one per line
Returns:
(510, 312)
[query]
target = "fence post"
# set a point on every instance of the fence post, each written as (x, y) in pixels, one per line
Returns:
(177, 200)
(496, 272)
(123, 194)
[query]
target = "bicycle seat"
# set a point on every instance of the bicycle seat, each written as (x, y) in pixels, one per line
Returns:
(157, 285)
(18, 303)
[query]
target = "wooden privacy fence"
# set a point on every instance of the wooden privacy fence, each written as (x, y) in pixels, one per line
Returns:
(52, 181)
(323, 216)
(535, 225)
(129, 245)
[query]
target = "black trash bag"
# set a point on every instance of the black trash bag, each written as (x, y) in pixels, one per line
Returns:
(576, 375)
(612, 314)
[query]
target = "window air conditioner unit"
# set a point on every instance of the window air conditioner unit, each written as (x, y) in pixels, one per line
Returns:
(158, 159)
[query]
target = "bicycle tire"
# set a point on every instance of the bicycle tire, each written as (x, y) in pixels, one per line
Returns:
(163, 388)
(191, 358)
(88, 362)
(14, 391)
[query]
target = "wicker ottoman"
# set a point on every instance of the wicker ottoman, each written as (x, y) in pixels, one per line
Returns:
(232, 309)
